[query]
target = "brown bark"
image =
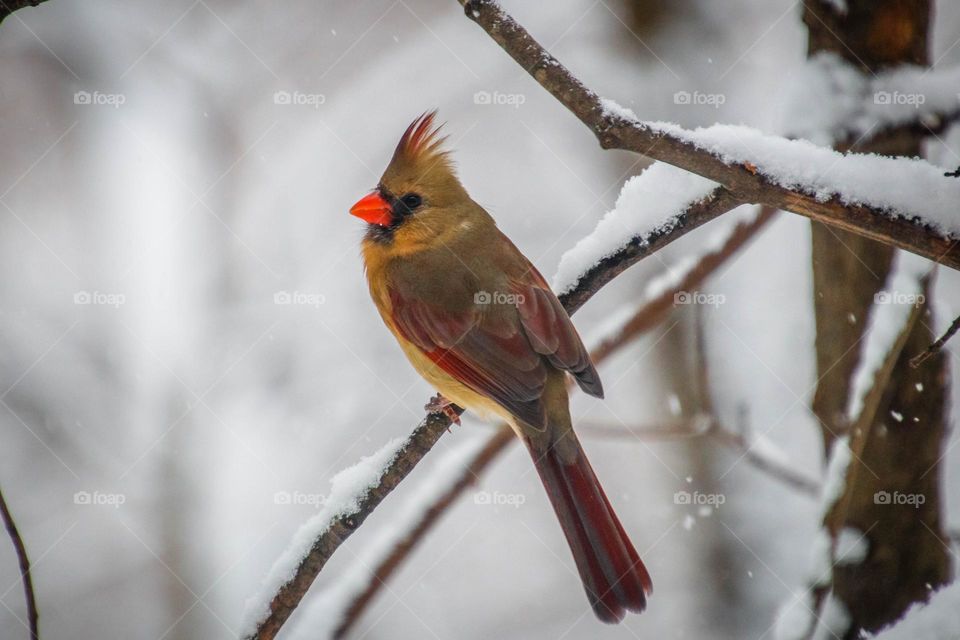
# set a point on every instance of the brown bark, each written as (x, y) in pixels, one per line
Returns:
(893, 492)
(849, 269)
(906, 553)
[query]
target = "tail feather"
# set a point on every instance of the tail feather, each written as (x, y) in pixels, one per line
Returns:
(613, 574)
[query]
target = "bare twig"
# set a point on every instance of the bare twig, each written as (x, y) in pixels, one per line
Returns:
(744, 181)
(24, 562)
(933, 349)
(705, 425)
(796, 479)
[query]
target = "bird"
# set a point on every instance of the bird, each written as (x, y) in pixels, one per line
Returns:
(481, 325)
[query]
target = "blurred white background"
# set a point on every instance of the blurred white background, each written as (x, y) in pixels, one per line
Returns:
(182, 398)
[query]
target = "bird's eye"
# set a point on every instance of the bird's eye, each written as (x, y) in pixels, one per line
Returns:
(411, 201)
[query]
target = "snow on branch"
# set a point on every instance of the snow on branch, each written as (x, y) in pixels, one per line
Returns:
(335, 609)
(355, 493)
(650, 205)
(835, 103)
(937, 619)
(778, 174)
(888, 317)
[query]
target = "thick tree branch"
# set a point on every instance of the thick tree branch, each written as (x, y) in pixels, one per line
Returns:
(745, 181)
(24, 563)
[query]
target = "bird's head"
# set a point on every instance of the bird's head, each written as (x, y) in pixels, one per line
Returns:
(419, 194)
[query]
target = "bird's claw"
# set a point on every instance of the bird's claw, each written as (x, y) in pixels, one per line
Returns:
(439, 404)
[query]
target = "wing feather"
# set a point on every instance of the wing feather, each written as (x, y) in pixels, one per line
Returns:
(501, 351)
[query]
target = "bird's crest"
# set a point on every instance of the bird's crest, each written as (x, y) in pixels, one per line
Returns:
(421, 144)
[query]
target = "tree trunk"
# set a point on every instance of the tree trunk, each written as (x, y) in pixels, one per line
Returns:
(907, 554)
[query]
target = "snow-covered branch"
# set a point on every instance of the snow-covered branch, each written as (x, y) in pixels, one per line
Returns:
(837, 104)
(904, 203)
(355, 493)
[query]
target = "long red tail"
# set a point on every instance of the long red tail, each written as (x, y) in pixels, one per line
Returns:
(613, 575)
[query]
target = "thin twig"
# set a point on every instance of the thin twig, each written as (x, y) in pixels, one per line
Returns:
(935, 348)
(24, 563)
(788, 475)
(707, 426)
(745, 181)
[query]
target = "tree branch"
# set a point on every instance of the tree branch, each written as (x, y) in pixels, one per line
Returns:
(9, 6)
(934, 348)
(24, 563)
(745, 181)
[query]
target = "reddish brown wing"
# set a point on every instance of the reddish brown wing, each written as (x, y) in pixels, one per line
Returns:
(552, 334)
(484, 348)
(501, 350)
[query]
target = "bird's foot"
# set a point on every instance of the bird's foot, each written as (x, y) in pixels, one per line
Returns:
(439, 404)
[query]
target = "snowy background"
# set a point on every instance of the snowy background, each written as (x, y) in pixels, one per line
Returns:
(166, 425)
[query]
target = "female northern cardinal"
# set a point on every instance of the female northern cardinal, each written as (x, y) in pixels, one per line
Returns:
(481, 325)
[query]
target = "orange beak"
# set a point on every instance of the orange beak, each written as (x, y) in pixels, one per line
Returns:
(374, 209)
